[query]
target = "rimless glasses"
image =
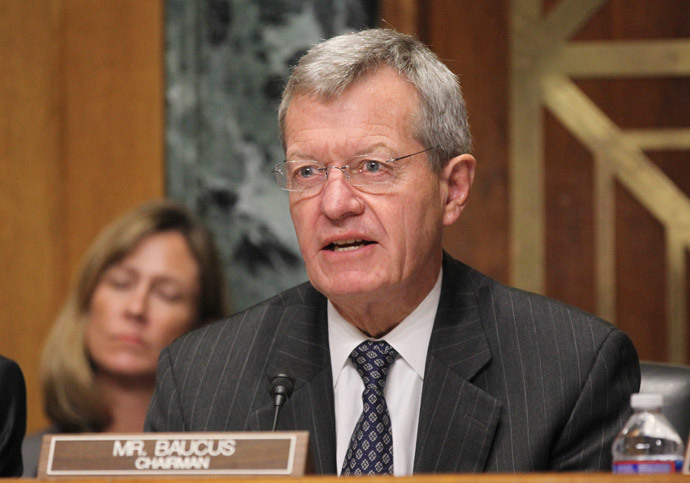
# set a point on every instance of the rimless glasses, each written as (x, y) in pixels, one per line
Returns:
(370, 172)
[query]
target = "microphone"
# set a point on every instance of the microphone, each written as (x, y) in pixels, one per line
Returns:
(281, 390)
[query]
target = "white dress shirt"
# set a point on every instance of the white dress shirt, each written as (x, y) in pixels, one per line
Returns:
(403, 391)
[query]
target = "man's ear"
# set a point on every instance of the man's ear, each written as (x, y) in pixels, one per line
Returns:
(457, 176)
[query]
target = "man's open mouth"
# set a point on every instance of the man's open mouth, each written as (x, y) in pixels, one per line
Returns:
(345, 245)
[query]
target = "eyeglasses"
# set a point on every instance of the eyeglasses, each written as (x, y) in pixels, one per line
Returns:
(370, 172)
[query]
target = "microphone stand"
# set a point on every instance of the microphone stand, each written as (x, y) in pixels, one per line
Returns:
(281, 390)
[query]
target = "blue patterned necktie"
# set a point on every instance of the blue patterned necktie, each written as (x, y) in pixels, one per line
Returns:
(370, 451)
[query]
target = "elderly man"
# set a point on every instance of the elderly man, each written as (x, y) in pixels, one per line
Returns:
(404, 359)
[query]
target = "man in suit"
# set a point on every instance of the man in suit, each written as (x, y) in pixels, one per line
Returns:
(456, 372)
(12, 417)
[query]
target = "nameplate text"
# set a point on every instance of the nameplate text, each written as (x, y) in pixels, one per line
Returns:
(140, 454)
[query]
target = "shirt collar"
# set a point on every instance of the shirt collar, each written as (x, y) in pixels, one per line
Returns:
(410, 338)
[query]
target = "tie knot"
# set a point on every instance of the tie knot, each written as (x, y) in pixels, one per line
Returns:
(373, 359)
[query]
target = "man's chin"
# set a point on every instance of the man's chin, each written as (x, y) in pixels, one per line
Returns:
(350, 287)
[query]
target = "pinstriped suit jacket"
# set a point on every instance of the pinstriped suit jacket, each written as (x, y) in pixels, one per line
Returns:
(514, 381)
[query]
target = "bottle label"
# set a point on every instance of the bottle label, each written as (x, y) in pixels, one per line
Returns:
(648, 466)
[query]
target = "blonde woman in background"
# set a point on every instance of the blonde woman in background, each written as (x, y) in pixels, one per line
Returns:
(149, 277)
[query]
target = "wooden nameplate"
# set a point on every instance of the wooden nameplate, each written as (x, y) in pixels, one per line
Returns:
(174, 454)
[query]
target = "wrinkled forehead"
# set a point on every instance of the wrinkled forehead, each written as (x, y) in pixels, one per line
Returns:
(328, 92)
(384, 94)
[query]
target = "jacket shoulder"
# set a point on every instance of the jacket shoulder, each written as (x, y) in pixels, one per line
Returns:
(263, 316)
(497, 300)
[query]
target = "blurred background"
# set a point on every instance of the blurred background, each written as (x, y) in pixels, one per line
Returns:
(580, 111)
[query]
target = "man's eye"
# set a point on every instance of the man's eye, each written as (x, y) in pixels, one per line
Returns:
(306, 172)
(372, 166)
(303, 171)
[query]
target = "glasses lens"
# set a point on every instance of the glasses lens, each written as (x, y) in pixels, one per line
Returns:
(368, 170)
(301, 175)
(279, 173)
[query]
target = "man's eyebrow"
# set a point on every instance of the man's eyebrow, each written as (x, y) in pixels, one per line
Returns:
(298, 155)
(373, 148)
(370, 149)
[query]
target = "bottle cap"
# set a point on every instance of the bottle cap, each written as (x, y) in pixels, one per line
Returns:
(646, 401)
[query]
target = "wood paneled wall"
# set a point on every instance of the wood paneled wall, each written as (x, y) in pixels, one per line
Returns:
(81, 142)
(584, 230)
(472, 38)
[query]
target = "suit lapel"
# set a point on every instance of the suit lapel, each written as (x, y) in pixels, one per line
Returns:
(457, 419)
(303, 353)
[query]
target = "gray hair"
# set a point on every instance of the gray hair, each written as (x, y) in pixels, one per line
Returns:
(330, 67)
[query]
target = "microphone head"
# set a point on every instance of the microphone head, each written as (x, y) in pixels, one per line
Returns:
(282, 384)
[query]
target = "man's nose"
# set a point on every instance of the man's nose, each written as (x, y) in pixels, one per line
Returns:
(339, 199)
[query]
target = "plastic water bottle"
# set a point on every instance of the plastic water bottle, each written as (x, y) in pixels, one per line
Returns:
(647, 443)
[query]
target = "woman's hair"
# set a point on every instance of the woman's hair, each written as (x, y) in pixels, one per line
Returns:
(330, 67)
(71, 398)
